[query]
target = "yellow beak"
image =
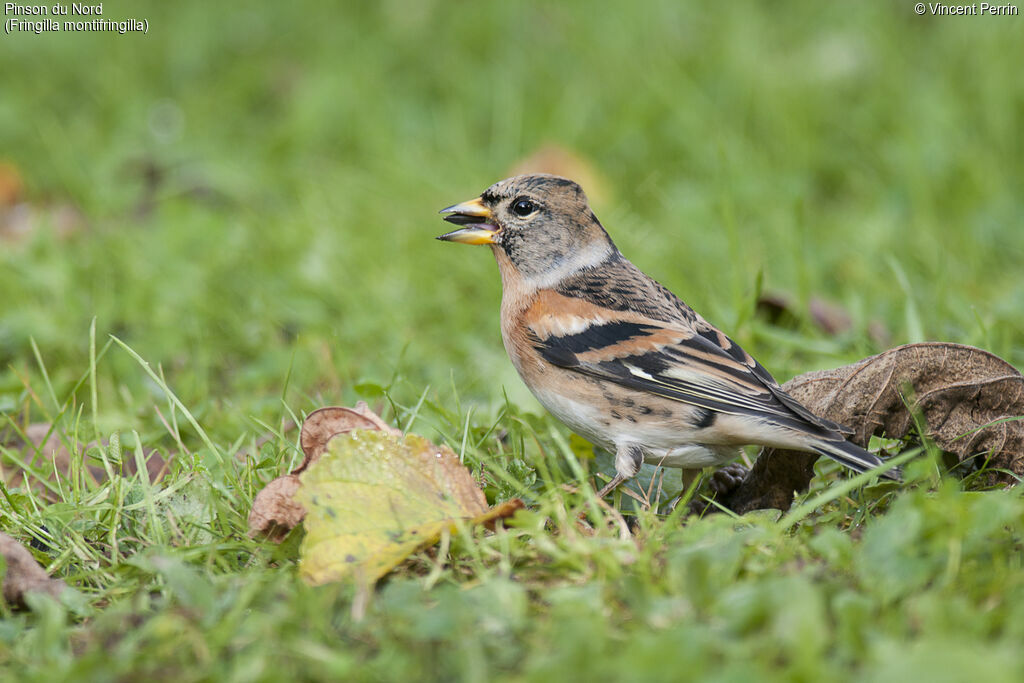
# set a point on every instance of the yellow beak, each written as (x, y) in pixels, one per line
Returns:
(478, 220)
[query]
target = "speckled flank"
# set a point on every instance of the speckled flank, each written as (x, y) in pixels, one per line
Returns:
(703, 418)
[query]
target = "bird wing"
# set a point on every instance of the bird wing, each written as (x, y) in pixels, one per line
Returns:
(624, 290)
(678, 363)
(717, 338)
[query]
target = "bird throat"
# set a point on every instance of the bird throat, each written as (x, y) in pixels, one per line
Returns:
(541, 264)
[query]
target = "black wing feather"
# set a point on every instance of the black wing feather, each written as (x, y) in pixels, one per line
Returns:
(744, 393)
(735, 351)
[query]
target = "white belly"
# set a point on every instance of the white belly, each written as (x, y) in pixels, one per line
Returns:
(662, 444)
(581, 418)
(691, 456)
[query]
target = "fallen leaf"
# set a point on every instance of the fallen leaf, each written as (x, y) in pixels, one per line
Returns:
(558, 160)
(11, 185)
(967, 396)
(19, 221)
(19, 218)
(274, 510)
(375, 498)
(830, 317)
(23, 574)
(322, 425)
(971, 400)
(779, 309)
(42, 440)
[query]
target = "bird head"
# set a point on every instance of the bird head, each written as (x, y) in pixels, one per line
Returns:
(542, 224)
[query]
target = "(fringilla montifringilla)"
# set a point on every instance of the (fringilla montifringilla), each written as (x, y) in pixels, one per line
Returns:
(615, 355)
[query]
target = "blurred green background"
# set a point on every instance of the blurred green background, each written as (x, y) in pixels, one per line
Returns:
(247, 197)
(252, 189)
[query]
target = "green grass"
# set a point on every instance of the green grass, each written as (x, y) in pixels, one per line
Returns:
(255, 191)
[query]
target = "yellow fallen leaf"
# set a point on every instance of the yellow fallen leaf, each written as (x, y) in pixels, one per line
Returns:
(374, 498)
(274, 511)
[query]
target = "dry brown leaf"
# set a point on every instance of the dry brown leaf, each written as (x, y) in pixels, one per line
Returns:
(500, 511)
(830, 317)
(11, 185)
(780, 309)
(321, 425)
(971, 400)
(41, 439)
(23, 574)
(274, 511)
(776, 308)
(19, 221)
(19, 218)
(558, 160)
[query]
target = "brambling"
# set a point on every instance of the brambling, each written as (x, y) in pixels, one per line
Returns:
(615, 355)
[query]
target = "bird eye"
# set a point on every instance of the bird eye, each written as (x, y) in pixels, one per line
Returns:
(523, 207)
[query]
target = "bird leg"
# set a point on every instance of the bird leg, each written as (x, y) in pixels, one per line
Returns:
(722, 482)
(628, 458)
(688, 477)
(611, 486)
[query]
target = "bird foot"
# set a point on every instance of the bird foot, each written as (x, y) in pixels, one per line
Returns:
(724, 480)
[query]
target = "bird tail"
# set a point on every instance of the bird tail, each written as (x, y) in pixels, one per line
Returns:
(852, 456)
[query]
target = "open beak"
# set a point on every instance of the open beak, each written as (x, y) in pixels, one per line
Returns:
(477, 219)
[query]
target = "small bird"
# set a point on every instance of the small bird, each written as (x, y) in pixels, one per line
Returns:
(618, 357)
